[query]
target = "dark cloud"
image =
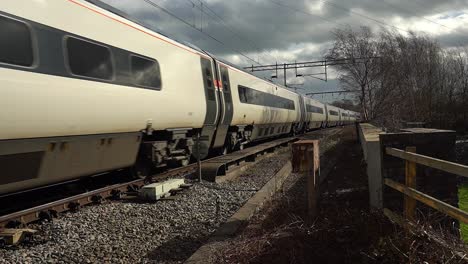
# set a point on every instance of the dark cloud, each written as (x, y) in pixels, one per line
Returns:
(264, 25)
(267, 31)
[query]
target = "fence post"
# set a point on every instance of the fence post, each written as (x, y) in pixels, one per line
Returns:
(305, 156)
(410, 181)
(312, 183)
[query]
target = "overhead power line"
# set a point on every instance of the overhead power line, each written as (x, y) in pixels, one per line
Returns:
(414, 14)
(192, 26)
(462, 33)
(304, 12)
(214, 15)
(335, 5)
(308, 64)
(333, 92)
(338, 6)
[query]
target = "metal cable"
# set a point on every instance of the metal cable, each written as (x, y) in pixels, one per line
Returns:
(203, 32)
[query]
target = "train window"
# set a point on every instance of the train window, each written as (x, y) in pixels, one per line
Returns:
(89, 59)
(333, 113)
(225, 83)
(252, 96)
(145, 72)
(211, 94)
(314, 109)
(242, 94)
(208, 77)
(15, 43)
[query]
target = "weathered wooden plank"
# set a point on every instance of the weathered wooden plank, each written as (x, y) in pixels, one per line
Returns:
(306, 159)
(447, 166)
(429, 201)
(410, 179)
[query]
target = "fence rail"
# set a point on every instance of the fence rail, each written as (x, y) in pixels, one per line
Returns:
(443, 165)
(408, 189)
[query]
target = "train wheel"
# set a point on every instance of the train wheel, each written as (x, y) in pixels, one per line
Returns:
(224, 150)
(241, 146)
(141, 170)
(185, 162)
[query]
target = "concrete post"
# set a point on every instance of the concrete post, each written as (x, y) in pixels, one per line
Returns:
(369, 138)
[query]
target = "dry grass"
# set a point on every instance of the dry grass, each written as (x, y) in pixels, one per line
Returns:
(346, 231)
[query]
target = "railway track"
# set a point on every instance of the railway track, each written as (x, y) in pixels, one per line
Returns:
(212, 168)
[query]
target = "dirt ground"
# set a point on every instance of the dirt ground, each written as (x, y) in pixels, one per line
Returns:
(345, 231)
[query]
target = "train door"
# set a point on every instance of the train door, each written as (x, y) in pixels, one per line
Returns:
(212, 106)
(340, 119)
(327, 120)
(223, 88)
(303, 114)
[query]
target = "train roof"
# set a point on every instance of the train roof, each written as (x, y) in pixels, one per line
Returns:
(126, 16)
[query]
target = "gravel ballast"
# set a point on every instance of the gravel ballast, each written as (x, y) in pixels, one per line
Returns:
(132, 231)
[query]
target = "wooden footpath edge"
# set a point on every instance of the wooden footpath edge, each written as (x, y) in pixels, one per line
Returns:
(242, 216)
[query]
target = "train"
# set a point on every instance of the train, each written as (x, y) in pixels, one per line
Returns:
(84, 89)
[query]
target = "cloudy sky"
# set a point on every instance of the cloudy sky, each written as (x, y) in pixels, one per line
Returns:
(269, 31)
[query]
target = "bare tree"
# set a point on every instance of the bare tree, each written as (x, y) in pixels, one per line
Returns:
(351, 45)
(404, 78)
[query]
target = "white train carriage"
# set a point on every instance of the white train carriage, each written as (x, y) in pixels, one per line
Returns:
(261, 109)
(345, 120)
(333, 115)
(98, 92)
(316, 116)
(76, 93)
(353, 117)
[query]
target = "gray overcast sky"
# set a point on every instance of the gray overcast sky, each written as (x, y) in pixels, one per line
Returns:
(286, 31)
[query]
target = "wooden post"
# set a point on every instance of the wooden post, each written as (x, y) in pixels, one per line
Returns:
(311, 184)
(410, 181)
(306, 160)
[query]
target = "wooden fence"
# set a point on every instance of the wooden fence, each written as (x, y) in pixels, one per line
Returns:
(408, 189)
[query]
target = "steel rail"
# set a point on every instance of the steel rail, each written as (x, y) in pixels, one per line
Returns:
(52, 209)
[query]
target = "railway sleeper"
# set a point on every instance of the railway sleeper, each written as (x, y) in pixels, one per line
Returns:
(14, 224)
(11, 237)
(116, 194)
(48, 215)
(74, 206)
(97, 199)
